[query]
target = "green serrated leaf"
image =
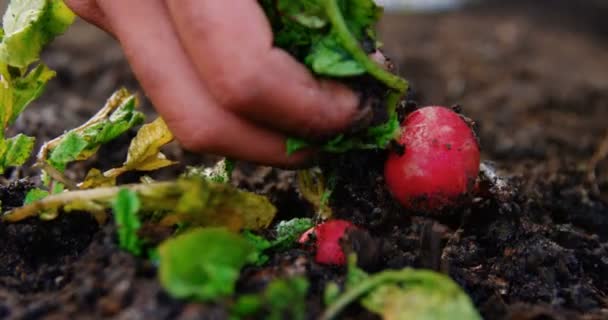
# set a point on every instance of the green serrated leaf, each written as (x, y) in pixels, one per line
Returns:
(28, 26)
(203, 264)
(126, 207)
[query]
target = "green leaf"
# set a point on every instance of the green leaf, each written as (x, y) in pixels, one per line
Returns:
(15, 151)
(421, 294)
(260, 244)
(114, 119)
(329, 37)
(289, 231)
(203, 264)
(377, 137)
(35, 195)
(16, 94)
(360, 16)
(328, 58)
(68, 150)
(287, 299)
(282, 299)
(309, 13)
(404, 294)
(296, 144)
(126, 207)
(28, 26)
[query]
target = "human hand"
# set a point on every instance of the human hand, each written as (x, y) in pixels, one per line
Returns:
(211, 71)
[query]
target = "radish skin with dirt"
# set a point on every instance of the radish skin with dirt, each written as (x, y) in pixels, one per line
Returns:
(326, 241)
(440, 161)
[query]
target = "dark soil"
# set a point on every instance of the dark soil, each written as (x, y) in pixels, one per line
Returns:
(533, 243)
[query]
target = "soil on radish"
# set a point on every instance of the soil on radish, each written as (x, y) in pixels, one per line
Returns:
(533, 247)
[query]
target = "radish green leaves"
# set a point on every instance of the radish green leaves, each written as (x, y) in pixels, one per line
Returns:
(334, 38)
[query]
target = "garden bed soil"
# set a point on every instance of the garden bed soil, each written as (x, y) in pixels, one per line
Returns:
(531, 245)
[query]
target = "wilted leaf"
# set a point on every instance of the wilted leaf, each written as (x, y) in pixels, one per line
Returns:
(28, 26)
(126, 206)
(203, 264)
(194, 202)
(205, 203)
(313, 187)
(114, 119)
(144, 151)
(96, 179)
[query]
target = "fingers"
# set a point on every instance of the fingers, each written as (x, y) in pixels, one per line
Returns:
(172, 84)
(90, 11)
(230, 44)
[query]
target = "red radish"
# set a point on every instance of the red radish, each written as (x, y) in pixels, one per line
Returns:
(326, 239)
(440, 163)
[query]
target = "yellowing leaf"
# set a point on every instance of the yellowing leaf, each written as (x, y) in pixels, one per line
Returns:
(95, 179)
(206, 203)
(192, 201)
(144, 151)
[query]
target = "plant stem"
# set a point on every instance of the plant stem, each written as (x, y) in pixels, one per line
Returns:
(351, 44)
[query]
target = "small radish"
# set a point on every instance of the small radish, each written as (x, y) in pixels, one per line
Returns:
(326, 240)
(440, 162)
